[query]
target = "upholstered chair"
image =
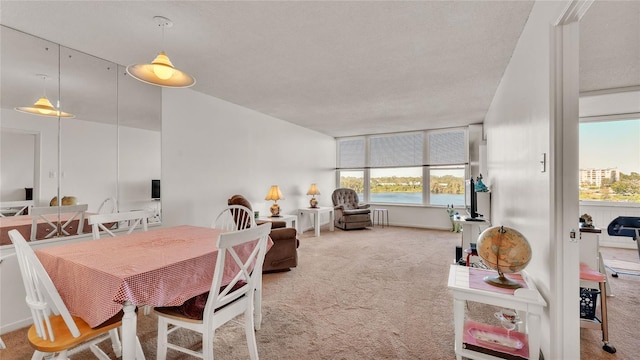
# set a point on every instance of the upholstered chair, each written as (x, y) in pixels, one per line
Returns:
(349, 212)
(283, 255)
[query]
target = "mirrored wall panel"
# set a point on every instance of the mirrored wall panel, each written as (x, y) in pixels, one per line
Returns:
(106, 152)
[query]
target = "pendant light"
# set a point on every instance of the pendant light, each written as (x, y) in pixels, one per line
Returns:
(161, 71)
(43, 106)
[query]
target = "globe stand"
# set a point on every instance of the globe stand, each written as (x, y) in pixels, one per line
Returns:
(502, 281)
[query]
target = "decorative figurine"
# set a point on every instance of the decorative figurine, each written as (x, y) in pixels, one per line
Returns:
(453, 214)
(480, 186)
(586, 221)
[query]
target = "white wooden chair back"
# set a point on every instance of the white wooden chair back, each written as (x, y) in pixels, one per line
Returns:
(234, 218)
(77, 213)
(248, 268)
(42, 297)
(237, 296)
(17, 207)
(130, 220)
(108, 206)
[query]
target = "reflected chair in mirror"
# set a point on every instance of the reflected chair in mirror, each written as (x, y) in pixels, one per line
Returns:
(108, 206)
(225, 301)
(283, 255)
(54, 329)
(234, 218)
(15, 208)
(349, 212)
(45, 217)
(129, 220)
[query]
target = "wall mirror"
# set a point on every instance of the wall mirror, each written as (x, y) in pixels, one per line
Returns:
(109, 150)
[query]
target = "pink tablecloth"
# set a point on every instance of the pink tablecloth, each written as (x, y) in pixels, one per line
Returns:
(162, 267)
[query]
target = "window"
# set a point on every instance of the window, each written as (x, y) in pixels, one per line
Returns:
(425, 167)
(610, 161)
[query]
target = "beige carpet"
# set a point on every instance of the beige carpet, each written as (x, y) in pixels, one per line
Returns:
(365, 294)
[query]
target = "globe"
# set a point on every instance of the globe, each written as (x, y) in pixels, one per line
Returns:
(505, 250)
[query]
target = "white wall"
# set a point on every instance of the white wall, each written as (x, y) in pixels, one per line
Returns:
(518, 132)
(213, 149)
(17, 151)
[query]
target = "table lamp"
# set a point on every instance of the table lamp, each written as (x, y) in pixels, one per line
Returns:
(313, 191)
(275, 195)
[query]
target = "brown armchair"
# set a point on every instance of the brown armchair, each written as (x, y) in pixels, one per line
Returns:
(283, 255)
(349, 212)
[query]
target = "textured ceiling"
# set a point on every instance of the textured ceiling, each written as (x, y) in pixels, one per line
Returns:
(340, 68)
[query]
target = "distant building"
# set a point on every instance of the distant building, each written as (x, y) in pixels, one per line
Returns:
(594, 177)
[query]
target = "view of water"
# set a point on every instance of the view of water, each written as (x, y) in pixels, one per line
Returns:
(416, 198)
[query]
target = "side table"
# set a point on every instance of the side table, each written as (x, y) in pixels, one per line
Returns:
(290, 220)
(526, 301)
(314, 215)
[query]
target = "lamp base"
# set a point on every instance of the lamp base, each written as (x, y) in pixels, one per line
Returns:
(313, 202)
(502, 281)
(275, 210)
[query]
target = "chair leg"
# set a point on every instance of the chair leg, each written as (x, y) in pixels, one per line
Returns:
(38, 355)
(605, 319)
(116, 345)
(258, 305)
(162, 338)
(249, 328)
(207, 344)
(139, 352)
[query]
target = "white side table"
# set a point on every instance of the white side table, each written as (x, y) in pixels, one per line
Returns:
(471, 230)
(526, 301)
(290, 220)
(314, 216)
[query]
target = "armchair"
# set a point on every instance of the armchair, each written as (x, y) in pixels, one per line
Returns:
(283, 255)
(349, 212)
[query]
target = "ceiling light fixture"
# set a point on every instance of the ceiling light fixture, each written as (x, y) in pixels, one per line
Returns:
(43, 106)
(161, 71)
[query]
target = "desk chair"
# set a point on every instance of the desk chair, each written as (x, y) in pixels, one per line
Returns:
(54, 330)
(625, 226)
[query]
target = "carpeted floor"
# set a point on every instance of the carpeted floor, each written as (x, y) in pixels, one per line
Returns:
(367, 294)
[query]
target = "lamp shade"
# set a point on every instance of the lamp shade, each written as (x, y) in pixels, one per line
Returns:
(274, 194)
(161, 72)
(313, 190)
(43, 107)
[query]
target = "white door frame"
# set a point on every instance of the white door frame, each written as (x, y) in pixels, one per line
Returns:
(565, 282)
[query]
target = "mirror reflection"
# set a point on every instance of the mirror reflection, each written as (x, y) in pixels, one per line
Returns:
(109, 152)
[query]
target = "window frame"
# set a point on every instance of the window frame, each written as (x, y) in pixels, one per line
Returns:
(426, 166)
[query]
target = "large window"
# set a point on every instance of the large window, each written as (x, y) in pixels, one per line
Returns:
(424, 167)
(610, 161)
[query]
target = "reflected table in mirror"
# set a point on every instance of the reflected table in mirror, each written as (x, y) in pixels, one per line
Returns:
(23, 224)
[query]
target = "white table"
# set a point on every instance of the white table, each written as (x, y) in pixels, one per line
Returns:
(471, 230)
(290, 220)
(526, 301)
(314, 216)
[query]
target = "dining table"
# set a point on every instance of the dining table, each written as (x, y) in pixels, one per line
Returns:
(160, 267)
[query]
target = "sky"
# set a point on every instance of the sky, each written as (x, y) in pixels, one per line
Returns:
(611, 144)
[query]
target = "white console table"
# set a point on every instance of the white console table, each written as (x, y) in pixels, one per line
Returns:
(471, 230)
(526, 301)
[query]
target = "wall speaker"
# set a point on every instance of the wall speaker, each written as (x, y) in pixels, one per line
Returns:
(155, 189)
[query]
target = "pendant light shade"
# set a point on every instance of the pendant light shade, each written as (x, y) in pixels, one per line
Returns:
(43, 107)
(161, 71)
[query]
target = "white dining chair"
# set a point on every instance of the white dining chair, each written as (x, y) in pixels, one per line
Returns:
(233, 218)
(38, 214)
(108, 223)
(108, 206)
(223, 303)
(55, 330)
